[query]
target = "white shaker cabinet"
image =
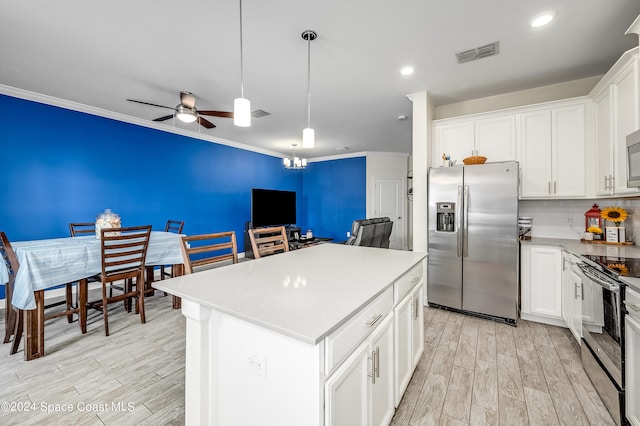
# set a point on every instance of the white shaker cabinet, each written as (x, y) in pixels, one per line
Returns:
(552, 147)
(453, 139)
(541, 284)
(360, 392)
(409, 329)
(493, 137)
(632, 365)
(617, 113)
(572, 295)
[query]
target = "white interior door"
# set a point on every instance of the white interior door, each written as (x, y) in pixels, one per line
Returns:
(389, 201)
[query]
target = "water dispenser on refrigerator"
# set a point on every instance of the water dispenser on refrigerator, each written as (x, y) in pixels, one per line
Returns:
(446, 215)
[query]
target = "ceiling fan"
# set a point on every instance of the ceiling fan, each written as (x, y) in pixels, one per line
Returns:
(186, 111)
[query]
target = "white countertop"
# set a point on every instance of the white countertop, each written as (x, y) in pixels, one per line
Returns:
(578, 247)
(305, 294)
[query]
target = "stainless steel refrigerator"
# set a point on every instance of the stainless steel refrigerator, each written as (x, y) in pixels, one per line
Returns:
(473, 239)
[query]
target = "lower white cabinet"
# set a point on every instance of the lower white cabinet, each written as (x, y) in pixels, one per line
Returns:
(409, 334)
(541, 284)
(632, 364)
(361, 391)
(572, 295)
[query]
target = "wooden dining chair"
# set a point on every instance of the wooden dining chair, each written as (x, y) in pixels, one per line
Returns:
(78, 229)
(14, 317)
(206, 251)
(268, 241)
(174, 226)
(124, 252)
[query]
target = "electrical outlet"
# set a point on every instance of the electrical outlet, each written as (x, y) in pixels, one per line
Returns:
(257, 363)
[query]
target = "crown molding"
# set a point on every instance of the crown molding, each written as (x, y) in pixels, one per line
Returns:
(87, 109)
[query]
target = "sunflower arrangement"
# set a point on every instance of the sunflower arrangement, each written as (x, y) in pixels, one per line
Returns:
(594, 230)
(614, 214)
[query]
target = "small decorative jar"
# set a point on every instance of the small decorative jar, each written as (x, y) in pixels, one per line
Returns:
(107, 219)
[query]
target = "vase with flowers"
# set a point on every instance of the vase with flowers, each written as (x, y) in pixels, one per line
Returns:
(617, 216)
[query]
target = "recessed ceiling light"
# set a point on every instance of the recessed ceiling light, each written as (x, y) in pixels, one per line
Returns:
(542, 19)
(407, 70)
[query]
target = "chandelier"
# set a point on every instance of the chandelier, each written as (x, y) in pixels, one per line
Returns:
(294, 162)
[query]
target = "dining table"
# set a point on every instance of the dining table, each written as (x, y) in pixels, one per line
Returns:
(53, 262)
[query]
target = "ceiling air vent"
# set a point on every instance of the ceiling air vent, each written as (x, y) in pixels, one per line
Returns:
(478, 53)
(259, 113)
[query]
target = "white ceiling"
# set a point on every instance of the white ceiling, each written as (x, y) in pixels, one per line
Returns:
(100, 53)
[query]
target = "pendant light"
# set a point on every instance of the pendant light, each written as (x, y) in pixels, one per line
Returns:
(241, 105)
(308, 134)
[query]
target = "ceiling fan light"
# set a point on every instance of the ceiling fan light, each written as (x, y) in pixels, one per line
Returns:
(186, 115)
(308, 138)
(242, 112)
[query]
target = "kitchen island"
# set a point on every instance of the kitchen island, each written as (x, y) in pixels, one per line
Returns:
(316, 336)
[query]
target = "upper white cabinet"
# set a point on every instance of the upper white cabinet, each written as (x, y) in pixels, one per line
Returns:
(552, 146)
(493, 136)
(617, 113)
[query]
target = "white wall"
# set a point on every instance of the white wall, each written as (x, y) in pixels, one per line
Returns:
(554, 92)
(387, 165)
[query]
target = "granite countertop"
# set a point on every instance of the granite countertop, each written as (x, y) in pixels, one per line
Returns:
(305, 294)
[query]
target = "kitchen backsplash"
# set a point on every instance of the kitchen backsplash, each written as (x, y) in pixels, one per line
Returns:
(565, 218)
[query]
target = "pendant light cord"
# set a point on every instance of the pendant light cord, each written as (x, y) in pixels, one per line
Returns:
(309, 82)
(241, 57)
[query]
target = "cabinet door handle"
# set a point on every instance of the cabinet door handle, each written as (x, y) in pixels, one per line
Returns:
(549, 187)
(377, 362)
(575, 290)
(416, 307)
(374, 319)
(374, 366)
(555, 187)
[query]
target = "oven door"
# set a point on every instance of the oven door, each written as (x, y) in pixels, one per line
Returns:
(602, 337)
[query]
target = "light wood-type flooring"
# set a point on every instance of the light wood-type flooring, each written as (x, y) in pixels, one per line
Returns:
(473, 371)
(479, 372)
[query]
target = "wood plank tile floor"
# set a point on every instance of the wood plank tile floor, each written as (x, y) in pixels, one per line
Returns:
(479, 372)
(473, 372)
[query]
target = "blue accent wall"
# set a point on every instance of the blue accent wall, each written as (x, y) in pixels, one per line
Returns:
(334, 196)
(59, 166)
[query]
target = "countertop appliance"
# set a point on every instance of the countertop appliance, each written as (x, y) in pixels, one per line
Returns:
(473, 239)
(603, 331)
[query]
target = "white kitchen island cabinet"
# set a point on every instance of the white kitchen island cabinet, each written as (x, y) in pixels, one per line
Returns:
(293, 339)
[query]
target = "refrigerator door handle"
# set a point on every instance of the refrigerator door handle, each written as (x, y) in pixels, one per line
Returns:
(459, 222)
(465, 223)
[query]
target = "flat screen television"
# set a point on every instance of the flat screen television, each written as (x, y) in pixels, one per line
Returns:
(270, 207)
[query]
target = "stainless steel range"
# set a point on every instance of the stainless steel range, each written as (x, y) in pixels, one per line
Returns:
(603, 326)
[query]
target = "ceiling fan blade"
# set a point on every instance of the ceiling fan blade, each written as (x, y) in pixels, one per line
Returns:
(188, 99)
(166, 117)
(225, 114)
(206, 123)
(148, 103)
